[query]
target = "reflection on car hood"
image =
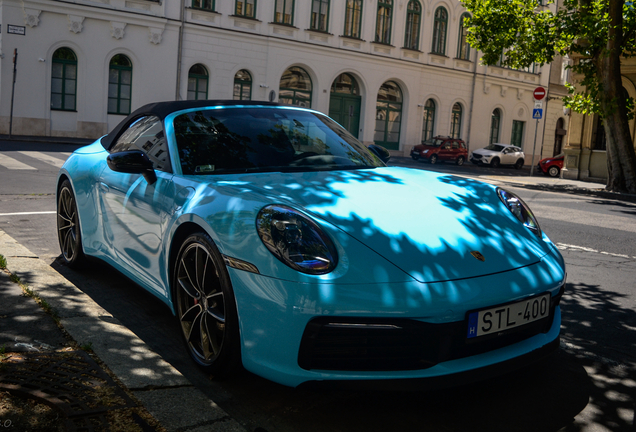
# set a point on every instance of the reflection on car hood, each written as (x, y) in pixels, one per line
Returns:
(426, 224)
(486, 152)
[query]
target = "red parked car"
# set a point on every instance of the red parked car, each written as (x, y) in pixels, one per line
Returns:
(441, 149)
(551, 166)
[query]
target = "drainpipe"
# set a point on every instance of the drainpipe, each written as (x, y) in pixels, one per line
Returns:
(177, 95)
(472, 103)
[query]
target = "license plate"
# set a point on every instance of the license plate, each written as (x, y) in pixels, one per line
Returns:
(501, 318)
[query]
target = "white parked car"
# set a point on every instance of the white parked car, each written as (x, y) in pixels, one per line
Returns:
(498, 154)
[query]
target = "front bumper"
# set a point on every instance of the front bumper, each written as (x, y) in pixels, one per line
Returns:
(275, 315)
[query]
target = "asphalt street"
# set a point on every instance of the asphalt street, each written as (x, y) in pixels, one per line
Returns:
(589, 386)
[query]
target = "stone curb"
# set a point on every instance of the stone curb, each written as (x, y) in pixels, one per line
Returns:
(164, 392)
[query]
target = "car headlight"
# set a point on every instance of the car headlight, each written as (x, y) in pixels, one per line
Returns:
(425, 151)
(520, 210)
(296, 240)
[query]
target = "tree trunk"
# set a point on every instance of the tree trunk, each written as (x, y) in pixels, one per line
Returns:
(621, 158)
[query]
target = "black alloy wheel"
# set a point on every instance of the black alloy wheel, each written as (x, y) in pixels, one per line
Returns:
(460, 161)
(205, 306)
(433, 159)
(494, 163)
(519, 164)
(553, 171)
(68, 227)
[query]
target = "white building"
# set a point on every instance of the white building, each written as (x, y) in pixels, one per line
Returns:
(391, 71)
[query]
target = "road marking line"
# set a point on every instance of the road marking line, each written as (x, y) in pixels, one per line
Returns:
(27, 213)
(587, 249)
(14, 164)
(43, 157)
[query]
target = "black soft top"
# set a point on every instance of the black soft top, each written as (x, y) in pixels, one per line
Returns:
(163, 109)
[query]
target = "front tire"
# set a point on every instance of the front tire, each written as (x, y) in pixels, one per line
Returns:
(553, 171)
(433, 159)
(68, 227)
(205, 306)
(494, 163)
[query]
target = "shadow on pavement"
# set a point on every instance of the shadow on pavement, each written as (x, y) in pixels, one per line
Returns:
(572, 391)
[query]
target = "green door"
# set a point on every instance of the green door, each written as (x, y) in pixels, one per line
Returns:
(345, 109)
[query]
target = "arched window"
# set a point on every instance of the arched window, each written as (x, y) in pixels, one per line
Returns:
(388, 116)
(456, 121)
(345, 84)
(413, 20)
(495, 124)
(295, 87)
(119, 85)
(319, 15)
(63, 80)
(197, 82)
(246, 8)
(383, 21)
(242, 85)
(439, 31)
(428, 123)
(463, 51)
(353, 18)
(345, 103)
(560, 132)
(599, 140)
(284, 12)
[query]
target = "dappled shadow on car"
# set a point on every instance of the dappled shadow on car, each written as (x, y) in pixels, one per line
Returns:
(546, 397)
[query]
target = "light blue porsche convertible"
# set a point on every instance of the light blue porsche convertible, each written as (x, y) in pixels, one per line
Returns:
(284, 245)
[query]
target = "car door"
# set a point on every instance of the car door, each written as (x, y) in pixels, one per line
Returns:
(135, 211)
(507, 156)
(445, 152)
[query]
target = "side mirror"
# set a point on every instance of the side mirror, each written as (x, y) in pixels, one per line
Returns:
(380, 152)
(132, 162)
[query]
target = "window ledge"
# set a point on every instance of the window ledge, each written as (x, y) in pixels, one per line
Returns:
(204, 10)
(246, 18)
(289, 26)
(326, 33)
(438, 54)
(352, 38)
(411, 49)
(63, 110)
(462, 59)
(383, 44)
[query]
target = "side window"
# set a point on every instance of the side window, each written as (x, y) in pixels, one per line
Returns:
(455, 145)
(146, 134)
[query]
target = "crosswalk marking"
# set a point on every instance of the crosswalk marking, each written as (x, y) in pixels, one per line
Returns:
(27, 213)
(44, 158)
(14, 164)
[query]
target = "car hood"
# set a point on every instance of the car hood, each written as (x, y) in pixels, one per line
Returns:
(434, 227)
(486, 152)
(425, 147)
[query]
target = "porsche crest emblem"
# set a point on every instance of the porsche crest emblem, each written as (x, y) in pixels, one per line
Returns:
(478, 256)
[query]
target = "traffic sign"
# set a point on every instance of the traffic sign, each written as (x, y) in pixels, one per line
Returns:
(538, 104)
(537, 113)
(539, 93)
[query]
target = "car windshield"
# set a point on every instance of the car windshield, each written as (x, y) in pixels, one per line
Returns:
(495, 147)
(433, 142)
(237, 140)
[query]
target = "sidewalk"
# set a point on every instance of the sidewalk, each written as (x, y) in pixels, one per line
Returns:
(120, 386)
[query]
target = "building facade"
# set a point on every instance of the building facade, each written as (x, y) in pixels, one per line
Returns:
(393, 72)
